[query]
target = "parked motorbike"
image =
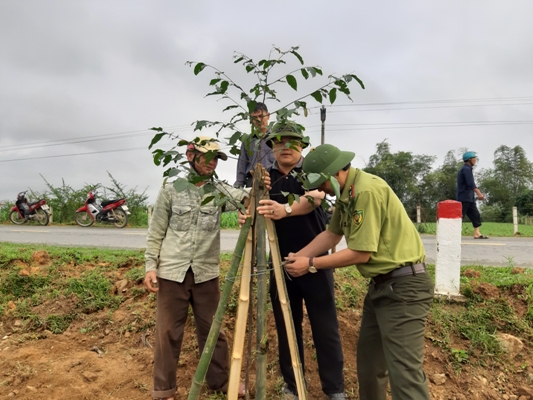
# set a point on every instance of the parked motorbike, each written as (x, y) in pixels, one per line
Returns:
(24, 211)
(113, 211)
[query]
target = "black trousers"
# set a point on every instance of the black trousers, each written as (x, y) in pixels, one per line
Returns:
(470, 210)
(317, 291)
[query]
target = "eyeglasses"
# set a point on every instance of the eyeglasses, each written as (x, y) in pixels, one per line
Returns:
(284, 142)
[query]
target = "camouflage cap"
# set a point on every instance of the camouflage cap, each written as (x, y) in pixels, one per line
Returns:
(323, 161)
(288, 129)
(203, 144)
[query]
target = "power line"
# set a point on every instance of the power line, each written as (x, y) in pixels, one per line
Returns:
(78, 154)
(84, 139)
(400, 125)
(429, 108)
(476, 100)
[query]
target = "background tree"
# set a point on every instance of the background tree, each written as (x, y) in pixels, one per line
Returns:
(502, 185)
(524, 202)
(439, 185)
(403, 171)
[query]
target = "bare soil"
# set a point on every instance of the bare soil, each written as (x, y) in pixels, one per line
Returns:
(108, 355)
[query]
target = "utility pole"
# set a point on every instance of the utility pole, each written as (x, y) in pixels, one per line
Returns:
(323, 119)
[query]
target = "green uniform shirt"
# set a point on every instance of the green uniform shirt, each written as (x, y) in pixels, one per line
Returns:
(372, 219)
(183, 233)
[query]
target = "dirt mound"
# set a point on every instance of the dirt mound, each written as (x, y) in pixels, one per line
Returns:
(107, 354)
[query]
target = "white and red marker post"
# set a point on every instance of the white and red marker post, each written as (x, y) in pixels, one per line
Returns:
(448, 261)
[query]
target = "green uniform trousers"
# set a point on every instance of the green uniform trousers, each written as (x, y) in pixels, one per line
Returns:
(391, 339)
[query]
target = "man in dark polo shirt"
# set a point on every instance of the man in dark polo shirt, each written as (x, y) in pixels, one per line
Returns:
(296, 226)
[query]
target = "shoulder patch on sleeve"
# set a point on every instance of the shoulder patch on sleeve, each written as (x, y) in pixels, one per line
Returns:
(358, 217)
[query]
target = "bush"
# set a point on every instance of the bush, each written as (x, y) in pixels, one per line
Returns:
(493, 213)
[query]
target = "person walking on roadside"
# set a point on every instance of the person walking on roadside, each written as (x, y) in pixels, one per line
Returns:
(296, 226)
(384, 245)
(253, 149)
(466, 187)
(182, 267)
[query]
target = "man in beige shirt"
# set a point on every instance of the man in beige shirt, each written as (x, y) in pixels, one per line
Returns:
(182, 266)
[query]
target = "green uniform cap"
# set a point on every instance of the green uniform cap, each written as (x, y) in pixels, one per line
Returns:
(324, 161)
(289, 129)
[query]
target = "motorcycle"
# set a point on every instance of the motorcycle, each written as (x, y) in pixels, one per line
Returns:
(113, 211)
(24, 211)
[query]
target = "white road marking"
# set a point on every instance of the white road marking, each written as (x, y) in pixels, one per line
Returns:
(485, 244)
(16, 230)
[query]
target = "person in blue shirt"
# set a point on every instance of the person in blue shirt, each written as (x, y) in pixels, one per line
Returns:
(466, 187)
(253, 149)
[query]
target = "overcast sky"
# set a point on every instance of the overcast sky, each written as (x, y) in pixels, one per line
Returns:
(81, 82)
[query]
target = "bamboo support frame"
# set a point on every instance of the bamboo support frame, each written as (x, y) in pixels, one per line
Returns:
(262, 289)
(240, 321)
(252, 241)
(210, 343)
(286, 309)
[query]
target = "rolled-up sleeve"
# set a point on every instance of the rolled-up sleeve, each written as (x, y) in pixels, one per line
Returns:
(157, 230)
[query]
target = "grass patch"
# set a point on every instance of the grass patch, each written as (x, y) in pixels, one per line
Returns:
(465, 331)
(229, 220)
(93, 290)
(496, 229)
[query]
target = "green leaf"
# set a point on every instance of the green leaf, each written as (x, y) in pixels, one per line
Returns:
(181, 184)
(312, 71)
(198, 68)
(318, 70)
(207, 200)
(229, 108)
(157, 156)
(291, 80)
(285, 194)
(173, 172)
(317, 96)
(238, 60)
(296, 198)
(235, 151)
(214, 81)
(332, 95)
(201, 124)
(349, 77)
(224, 86)
(290, 199)
(305, 74)
(336, 187)
(159, 129)
(233, 139)
(298, 57)
(249, 68)
(156, 139)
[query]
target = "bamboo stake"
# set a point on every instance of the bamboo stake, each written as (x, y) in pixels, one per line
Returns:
(240, 321)
(210, 343)
(286, 309)
(262, 290)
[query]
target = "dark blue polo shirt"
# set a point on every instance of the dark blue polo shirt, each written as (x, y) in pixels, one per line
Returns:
(294, 233)
(465, 184)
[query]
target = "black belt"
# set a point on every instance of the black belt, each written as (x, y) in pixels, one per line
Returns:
(412, 269)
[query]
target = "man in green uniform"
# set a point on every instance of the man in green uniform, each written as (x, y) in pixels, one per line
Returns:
(385, 247)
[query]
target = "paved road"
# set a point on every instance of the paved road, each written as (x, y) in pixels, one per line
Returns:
(495, 251)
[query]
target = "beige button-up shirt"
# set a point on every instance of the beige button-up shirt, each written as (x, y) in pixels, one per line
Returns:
(184, 233)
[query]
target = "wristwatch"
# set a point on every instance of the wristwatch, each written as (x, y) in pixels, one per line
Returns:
(288, 209)
(312, 268)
